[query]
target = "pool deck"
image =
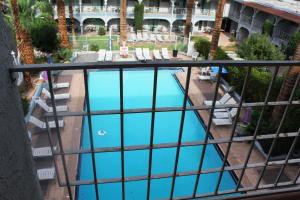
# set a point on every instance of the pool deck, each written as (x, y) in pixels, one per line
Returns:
(204, 90)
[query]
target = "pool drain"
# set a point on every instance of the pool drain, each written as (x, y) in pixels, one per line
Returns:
(102, 132)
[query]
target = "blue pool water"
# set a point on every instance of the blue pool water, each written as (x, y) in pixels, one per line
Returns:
(138, 89)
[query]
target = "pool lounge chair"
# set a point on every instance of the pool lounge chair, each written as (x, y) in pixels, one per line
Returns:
(165, 53)
(145, 37)
(42, 152)
(159, 38)
(61, 85)
(146, 54)
(229, 102)
(222, 122)
(42, 124)
(46, 173)
(228, 114)
(47, 108)
(108, 56)
(152, 38)
(223, 100)
(157, 55)
(139, 37)
(101, 55)
(139, 54)
(56, 96)
(132, 37)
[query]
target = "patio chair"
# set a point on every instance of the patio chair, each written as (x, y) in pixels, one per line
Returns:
(223, 100)
(228, 114)
(42, 152)
(108, 56)
(222, 122)
(146, 54)
(165, 53)
(229, 102)
(61, 85)
(47, 108)
(139, 54)
(42, 124)
(157, 55)
(145, 37)
(56, 96)
(152, 38)
(46, 173)
(101, 55)
(159, 38)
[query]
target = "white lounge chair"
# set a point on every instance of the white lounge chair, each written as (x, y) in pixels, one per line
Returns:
(223, 100)
(157, 55)
(165, 53)
(47, 108)
(145, 37)
(152, 38)
(56, 96)
(139, 37)
(42, 152)
(43, 125)
(139, 54)
(132, 37)
(146, 54)
(159, 38)
(61, 85)
(222, 122)
(108, 56)
(101, 55)
(223, 115)
(46, 174)
(229, 102)
(207, 77)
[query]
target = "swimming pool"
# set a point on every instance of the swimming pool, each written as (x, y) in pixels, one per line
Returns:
(138, 90)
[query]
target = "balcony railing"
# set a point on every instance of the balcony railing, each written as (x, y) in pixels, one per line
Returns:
(239, 169)
(246, 20)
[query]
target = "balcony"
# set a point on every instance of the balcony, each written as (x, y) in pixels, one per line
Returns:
(246, 20)
(280, 37)
(236, 158)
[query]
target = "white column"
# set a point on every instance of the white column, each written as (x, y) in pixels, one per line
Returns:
(196, 6)
(81, 28)
(172, 15)
(105, 6)
(80, 6)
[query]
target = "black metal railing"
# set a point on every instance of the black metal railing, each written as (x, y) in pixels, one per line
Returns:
(189, 65)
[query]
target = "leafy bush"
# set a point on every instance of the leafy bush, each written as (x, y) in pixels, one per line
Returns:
(101, 30)
(292, 44)
(94, 47)
(44, 35)
(63, 55)
(267, 28)
(138, 16)
(221, 55)
(259, 47)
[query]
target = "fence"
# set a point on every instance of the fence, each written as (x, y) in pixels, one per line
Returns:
(239, 169)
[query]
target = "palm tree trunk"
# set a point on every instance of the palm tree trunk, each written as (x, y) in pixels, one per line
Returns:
(24, 43)
(123, 21)
(217, 29)
(62, 27)
(286, 88)
(188, 20)
(72, 17)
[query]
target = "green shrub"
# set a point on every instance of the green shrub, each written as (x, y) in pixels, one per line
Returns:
(101, 30)
(221, 54)
(138, 16)
(63, 55)
(259, 47)
(202, 45)
(267, 28)
(292, 45)
(44, 35)
(94, 47)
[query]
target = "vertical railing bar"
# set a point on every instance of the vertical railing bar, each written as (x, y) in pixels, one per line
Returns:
(233, 130)
(152, 131)
(87, 101)
(207, 131)
(122, 131)
(185, 100)
(52, 150)
(58, 133)
(278, 132)
(257, 127)
(291, 150)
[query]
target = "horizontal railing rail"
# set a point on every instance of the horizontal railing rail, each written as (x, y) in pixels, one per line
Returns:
(225, 166)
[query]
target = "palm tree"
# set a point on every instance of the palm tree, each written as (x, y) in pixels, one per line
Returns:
(72, 17)
(188, 20)
(217, 29)
(286, 88)
(123, 21)
(62, 27)
(23, 38)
